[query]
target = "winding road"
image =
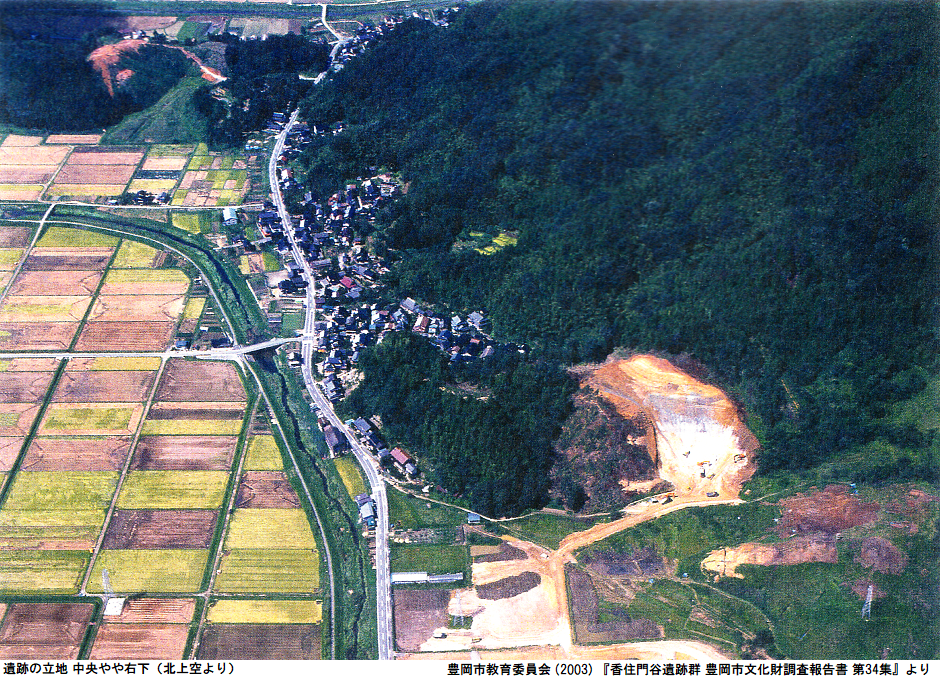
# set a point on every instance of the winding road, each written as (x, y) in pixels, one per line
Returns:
(383, 592)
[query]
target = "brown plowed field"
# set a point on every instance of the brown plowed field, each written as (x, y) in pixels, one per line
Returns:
(30, 364)
(77, 454)
(200, 381)
(98, 156)
(36, 336)
(33, 155)
(266, 489)
(46, 260)
(173, 288)
(149, 529)
(118, 336)
(16, 418)
(21, 140)
(15, 236)
(142, 308)
(103, 387)
(140, 641)
(73, 138)
(45, 623)
(156, 611)
(418, 613)
(38, 651)
(23, 387)
(9, 451)
(41, 283)
(28, 174)
(94, 174)
(165, 163)
(260, 641)
(184, 453)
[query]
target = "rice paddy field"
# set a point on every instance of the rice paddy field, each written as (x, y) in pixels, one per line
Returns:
(78, 167)
(126, 465)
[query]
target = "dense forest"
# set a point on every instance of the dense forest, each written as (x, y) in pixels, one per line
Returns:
(751, 184)
(48, 83)
(262, 78)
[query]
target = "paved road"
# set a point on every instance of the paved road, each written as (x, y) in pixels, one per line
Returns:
(383, 593)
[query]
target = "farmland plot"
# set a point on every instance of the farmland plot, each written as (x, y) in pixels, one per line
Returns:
(91, 453)
(260, 641)
(167, 529)
(263, 454)
(228, 611)
(173, 489)
(269, 529)
(78, 386)
(266, 490)
(44, 630)
(140, 641)
(190, 380)
(269, 571)
(42, 571)
(184, 453)
(158, 571)
(50, 530)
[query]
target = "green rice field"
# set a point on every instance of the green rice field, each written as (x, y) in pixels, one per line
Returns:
(133, 254)
(61, 490)
(153, 571)
(192, 427)
(263, 454)
(193, 308)
(433, 558)
(9, 258)
(42, 571)
(265, 612)
(57, 236)
(121, 364)
(88, 418)
(193, 222)
(269, 571)
(349, 472)
(173, 489)
(30, 529)
(269, 528)
(143, 277)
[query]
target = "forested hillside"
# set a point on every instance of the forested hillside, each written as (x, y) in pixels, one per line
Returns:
(751, 184)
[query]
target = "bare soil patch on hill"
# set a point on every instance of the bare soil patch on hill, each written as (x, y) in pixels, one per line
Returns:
(880, 554)
(832, 510)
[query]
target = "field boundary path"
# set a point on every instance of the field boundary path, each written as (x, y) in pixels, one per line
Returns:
(32, 244)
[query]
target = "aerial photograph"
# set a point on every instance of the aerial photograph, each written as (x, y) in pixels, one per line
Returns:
(490, 331)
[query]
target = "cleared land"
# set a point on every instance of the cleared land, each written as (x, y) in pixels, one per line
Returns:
(173, 489)
(147, 529)
(266, 490)
(269, 529)
(44, 630)
(184, 453)
(122, 336)
(103, 387)
(200, 381)
(168, 281)
(50, 530)
(418, 614)
(260, 641)
(265, 612)
(45, 283)
(54, 490)
(77, 454)
(269, 571)
(159, 571)
(140, 641)
(23, 387)
(91, 419)
(42, 571)
(263, 454)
